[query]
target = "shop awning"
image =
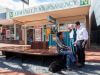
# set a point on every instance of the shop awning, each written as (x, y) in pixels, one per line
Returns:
(65, 14)
(6, 21)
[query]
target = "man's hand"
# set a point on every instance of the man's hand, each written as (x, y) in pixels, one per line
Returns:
(66, 47)
(75, 43)
(83, 44)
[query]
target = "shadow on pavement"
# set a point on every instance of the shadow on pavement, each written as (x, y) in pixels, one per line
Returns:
(16, 65)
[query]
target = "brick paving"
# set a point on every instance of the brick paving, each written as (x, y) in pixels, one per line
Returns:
(93, 55)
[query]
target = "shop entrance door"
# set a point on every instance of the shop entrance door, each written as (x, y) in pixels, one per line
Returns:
(30, 36)
(38, 42)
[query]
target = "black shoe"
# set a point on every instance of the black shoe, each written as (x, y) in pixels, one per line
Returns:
(79, 65)
(83, 65)
(69, 69)
(64, 69)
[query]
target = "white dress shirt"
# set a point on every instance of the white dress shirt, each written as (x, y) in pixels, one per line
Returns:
(82, 34)
(71, 34)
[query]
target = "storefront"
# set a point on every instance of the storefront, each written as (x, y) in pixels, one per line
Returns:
(36, 28)
(9, 32)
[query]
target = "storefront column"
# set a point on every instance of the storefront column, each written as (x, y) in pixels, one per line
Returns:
(88, 29)
(25, 35)
(14, 31)
(22, 34)
(58, 27)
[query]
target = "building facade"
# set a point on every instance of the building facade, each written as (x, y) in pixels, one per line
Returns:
(33, 20)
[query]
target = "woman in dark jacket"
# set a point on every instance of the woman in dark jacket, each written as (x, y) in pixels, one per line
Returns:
(64, 50)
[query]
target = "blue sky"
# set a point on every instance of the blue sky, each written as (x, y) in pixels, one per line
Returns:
(18, 5)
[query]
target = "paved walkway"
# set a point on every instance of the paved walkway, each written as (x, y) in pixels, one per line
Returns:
(10, 72)
(93, 55)
(14, 66)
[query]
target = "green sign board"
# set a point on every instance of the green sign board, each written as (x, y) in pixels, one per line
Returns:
(48, 7)
(84, 2)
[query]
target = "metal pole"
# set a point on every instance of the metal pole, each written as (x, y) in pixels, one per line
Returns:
(14, 31)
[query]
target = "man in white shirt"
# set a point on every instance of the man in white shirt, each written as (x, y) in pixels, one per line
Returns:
(81, 39)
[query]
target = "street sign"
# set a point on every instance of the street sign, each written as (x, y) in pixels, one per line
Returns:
(84, 2)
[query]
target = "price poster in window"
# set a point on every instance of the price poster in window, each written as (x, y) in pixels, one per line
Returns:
(38, 34)
(7, 33)
(0, 29)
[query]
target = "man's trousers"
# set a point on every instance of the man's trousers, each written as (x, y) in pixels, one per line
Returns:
(81, 52)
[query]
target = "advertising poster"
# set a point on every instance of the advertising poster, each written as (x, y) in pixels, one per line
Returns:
(38, 34)
(0, 29)
(7, 33)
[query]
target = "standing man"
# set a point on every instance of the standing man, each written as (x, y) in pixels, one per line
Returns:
(81, 39)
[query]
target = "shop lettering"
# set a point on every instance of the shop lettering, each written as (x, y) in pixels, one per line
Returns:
(48, 7)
